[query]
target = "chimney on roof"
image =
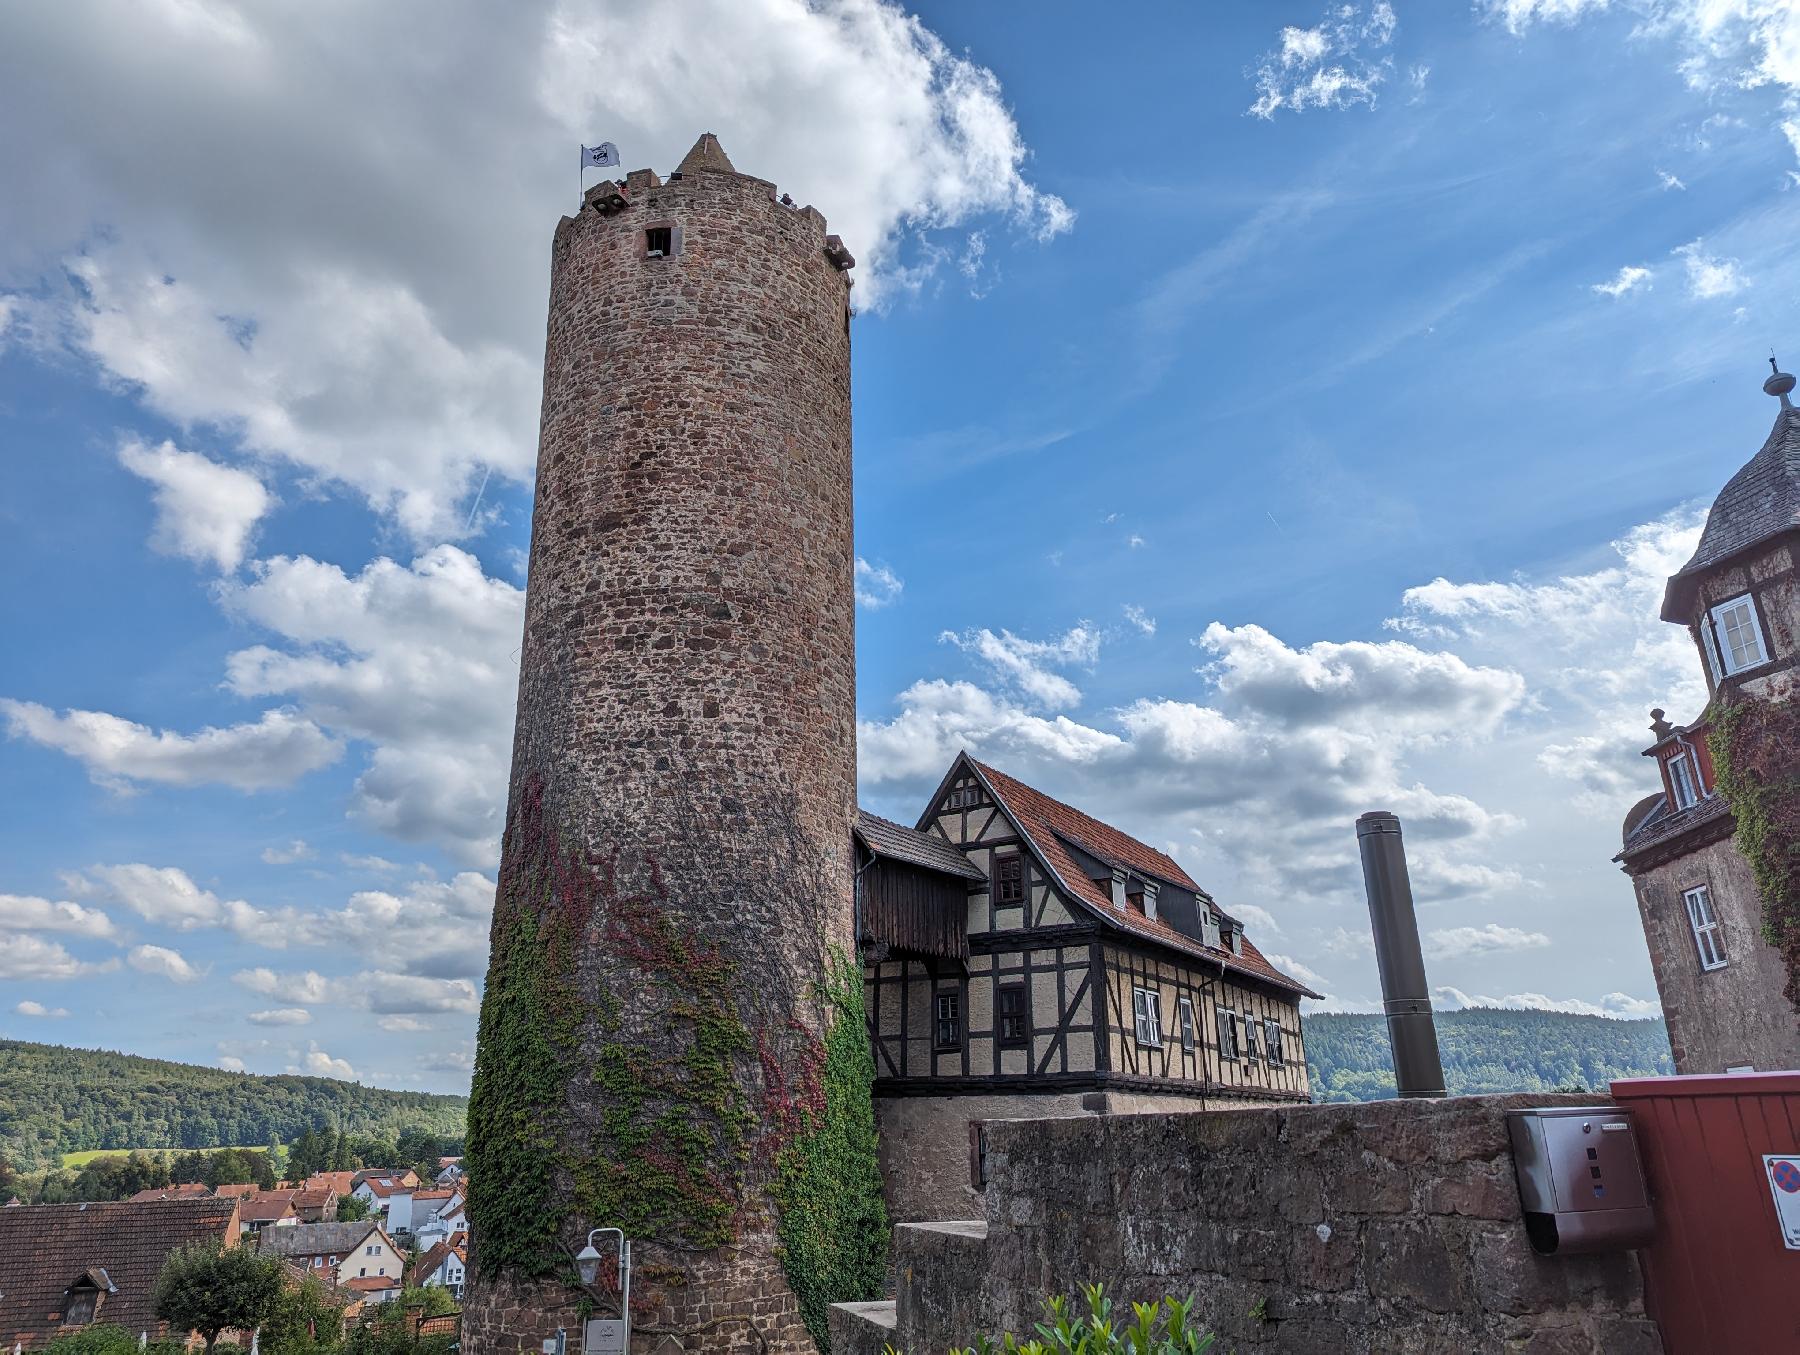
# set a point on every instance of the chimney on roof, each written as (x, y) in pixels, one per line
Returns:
(1779, 384)
(1418, 1071)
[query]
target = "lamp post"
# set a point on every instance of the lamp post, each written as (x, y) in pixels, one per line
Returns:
(587, 1265)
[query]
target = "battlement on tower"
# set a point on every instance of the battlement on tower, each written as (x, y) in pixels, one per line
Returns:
(704, 172)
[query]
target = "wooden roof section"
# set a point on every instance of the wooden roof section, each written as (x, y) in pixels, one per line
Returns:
(885, 838)
(48, 1249)
(1046, 823)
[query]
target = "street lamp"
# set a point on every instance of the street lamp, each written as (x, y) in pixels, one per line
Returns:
(587, 1265)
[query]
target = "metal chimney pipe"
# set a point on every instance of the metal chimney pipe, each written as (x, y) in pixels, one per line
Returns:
(1418, 1072)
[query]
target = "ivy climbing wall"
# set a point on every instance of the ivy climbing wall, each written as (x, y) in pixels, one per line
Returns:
(672, 1039)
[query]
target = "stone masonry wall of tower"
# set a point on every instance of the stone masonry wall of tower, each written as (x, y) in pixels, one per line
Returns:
(677, 873)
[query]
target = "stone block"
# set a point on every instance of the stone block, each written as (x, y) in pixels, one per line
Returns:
(1410, 1261)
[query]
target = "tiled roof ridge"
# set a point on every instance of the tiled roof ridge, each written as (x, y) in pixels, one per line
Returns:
(884, 837)
(1025, 805)
(1108, 838)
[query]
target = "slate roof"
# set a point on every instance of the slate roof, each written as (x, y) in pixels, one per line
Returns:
(45, 1248)
(1047, 822)
(1659, 825)
(316, 1239)
(1757, 504)
(888, 839)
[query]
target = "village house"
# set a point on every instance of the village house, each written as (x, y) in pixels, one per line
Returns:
(267, 1209)
(1023, 959)
(443, 1265)
(187, 1190)
(339, 1253)
(389, 1193)
(68, 1266)
(338, 1183)
(1720, 981)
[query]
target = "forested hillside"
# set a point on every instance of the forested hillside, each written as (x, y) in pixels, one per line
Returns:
(1487, 1050)
(55, 1100)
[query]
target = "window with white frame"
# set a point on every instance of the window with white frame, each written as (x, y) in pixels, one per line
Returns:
(1739, 634)
(1146, 1006)
(1184, 1009)
(1229, 1048)
(1682, 781)
(1272, 1041)
(1709, 937)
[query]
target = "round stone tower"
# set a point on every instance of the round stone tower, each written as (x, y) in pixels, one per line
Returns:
(674, 905)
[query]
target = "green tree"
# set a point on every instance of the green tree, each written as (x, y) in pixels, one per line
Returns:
(308, 1154)
(352, 1209)
(418, 1148)
(342, 1159)
(208, 1289)
(434, 1299)
(103, 1338)
(304, 1321)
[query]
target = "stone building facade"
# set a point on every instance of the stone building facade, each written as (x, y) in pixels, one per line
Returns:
(1721, 983)
(677, 868)
(1060, 968)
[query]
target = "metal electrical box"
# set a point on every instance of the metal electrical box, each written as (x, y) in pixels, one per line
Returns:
(1581, 1179)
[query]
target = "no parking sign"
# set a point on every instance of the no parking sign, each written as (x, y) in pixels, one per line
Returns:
(1784, 1186)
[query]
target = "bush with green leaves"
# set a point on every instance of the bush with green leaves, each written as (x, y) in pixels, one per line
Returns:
(304, 1321)
(108, 1338)
(1164, 1328)
(209, 1289)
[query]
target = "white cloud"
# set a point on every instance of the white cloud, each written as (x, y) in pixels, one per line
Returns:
(26, 957)
(281, 1016)
(320, 1064)
(1454, 942)
(165, 963)
(24, 912)
(382, 992)
(204, 511)
(1026, 664)
(277, 750)
(419, 662)
(876, 585)
(1670, 181)
(1630, 278)
(1288, 965)
(1709, 276)
(1138, 617)
(330, 332)
(168, 896)
(1518, 15)
(37, 1009)
(296, 850)
(1260, 920)
(1620, 1005)
(231, 1063)
(1341, 62)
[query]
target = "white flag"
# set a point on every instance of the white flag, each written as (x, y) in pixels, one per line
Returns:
(602, 156)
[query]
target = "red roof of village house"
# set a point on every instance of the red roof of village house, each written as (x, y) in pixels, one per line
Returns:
(366, 1284)
(386, 1185)
(341, 1182)
(237, 1190)
(187, 1190)
(1046, 823)
(267, 1206)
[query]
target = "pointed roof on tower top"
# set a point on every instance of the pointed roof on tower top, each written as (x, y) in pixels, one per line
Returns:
(707, 154)
(1757, 504)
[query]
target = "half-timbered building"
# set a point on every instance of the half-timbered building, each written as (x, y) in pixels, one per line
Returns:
(1022, 958)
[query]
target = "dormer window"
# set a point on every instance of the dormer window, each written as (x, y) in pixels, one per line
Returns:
(83, 1304)
(1737, 635)
(1682, 784)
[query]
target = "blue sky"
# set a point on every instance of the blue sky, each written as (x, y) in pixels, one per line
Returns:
(1264, 412)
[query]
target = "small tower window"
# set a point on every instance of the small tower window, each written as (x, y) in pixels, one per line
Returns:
(1009, 880)
(1709, 937)
(659, 242)
(1739, 636)
(949, 1021)
(1015, 1021)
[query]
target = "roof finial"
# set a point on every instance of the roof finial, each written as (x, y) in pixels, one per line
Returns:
(1779, 384)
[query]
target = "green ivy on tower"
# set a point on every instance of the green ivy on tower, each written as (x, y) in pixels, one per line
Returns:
(1755, 747)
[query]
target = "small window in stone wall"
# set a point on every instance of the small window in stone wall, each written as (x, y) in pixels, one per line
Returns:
(659, 242)
(1709, 937)
(1014, 1017)
(949, 1021)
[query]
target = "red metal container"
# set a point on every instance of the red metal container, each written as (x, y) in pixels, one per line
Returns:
(1720, 1275)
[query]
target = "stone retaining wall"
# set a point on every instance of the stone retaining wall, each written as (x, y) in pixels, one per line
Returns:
(1381, 1227)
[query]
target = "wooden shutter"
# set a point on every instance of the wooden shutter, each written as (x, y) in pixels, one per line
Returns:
(1227, 1045)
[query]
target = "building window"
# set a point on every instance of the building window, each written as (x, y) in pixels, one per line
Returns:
(963, 797)
(1015, 1021)
(949, 1020)
(1009, 880)
(1709, 937)
(1740, 637)
(1272, 1042)
(1184, 1011)
(1249, 1037)
(1146, 1006)
(81, 1307)
(1229, 1051)
(659, 241)
(1681, 781)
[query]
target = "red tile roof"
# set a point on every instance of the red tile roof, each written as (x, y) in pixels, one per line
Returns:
(1046, 822)
(365, 1284)
(237, 1191)
(188, 1190)
(342, 1182)
(45, 1248)
(267, 1207)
